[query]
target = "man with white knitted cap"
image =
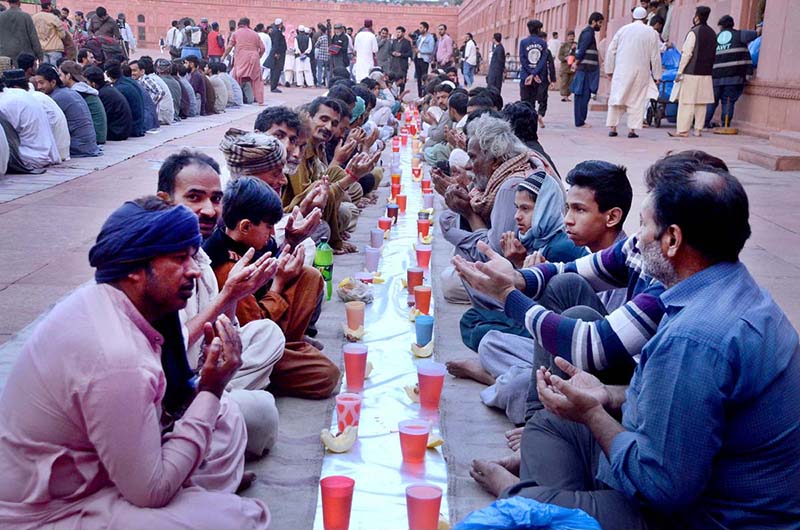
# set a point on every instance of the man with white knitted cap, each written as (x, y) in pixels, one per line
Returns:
(632, 62)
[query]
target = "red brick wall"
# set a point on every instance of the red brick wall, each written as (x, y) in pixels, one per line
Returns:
(159, 13)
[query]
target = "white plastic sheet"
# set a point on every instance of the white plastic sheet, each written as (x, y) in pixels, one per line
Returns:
(375, 461)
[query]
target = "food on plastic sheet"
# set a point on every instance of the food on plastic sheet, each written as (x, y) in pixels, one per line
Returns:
(426, 240)
(342, 442)
(368, 370)
(412, 392)
(444, 524)
(350, 290)
(353, 335)
(422, 351)
(414, 314)
(521, 512)
(435, 441)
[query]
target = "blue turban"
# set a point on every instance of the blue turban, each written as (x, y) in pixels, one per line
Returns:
(132, 235)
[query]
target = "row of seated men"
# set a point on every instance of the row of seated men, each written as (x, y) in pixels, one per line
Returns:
(79, 106)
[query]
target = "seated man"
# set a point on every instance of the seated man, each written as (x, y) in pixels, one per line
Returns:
(598, 203)
(130, 92)
(83, 139)
(325, 114)
(104, 425)
(118, 112)
(220, 88)
(163, 69)
(235, 95)
(37, 147)
(143, 71)
(189, 106)
(192, 179)
(72, 77)
(440, 119)
(263, 156)
(487, 211)
(250, 210)
(705, 403)
(211, 92)
(58, 122)
(195, 78)
(150, 111)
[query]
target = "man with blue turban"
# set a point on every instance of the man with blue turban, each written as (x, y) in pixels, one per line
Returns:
(103, 424)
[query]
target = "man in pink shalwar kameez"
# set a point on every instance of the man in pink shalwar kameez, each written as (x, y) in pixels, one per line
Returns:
(81, 441)
(247, 51)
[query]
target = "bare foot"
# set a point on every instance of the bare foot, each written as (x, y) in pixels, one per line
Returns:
(492, 477)
(345, 235)
(247, 480)
(345, 248)
(511, 463)
(470, 369)
(584, 126)
(514, 438)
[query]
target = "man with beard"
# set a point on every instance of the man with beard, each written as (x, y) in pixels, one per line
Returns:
(325, 115)
(705, 402)
(102, 417)
(586, 68)
(286, 126)
(192, 179)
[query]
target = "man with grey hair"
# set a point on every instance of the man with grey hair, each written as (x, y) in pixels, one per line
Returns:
(484, 209)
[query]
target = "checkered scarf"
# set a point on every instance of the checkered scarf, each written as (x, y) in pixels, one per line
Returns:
(251, 153)
(483, 201)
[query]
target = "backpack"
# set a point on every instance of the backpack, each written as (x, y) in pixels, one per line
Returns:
(478, 60)
(220, 41)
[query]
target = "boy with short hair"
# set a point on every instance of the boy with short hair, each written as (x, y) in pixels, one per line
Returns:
(250, 210)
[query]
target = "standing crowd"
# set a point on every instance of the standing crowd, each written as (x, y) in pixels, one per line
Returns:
(651, 379)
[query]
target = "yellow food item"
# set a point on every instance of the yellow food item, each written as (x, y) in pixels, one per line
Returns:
(368, 370)
(434, 441)
(412, 392)
(427, 240)
(353, 335)
(444, 524)
(342, 442)
(422, 351)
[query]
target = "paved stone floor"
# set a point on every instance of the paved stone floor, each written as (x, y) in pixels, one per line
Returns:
(48, 228)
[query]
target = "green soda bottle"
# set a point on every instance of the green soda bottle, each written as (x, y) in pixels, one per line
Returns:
(323, 262)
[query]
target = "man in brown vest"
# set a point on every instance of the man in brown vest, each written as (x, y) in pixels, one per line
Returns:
(694, 74)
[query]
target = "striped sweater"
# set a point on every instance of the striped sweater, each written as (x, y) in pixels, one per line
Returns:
(614, 341)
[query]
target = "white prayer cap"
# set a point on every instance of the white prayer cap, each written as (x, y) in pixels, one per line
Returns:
(639, 13)
(278, 21)
(459, 158)
(301, 29)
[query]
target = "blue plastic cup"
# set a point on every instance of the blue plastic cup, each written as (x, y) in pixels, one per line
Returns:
(424, 328)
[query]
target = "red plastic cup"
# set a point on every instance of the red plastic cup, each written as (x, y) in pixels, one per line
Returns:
(426, 184)
(428, 191)
(396, 178)
(404, 139)
(402, 202)
(423, 226)
(355, 366)
(423, 502)
(417, 172)
(423, 255)
(348, 410)
(395, 190)
(414, 277)
(385, 223)
(355, 313)
(412, 129)
(395, 148)
(422, 298)
(414, 440)
(337, 499)
(431, 381)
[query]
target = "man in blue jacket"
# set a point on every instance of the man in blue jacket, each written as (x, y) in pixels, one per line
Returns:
(587, 68)
(532, 63)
